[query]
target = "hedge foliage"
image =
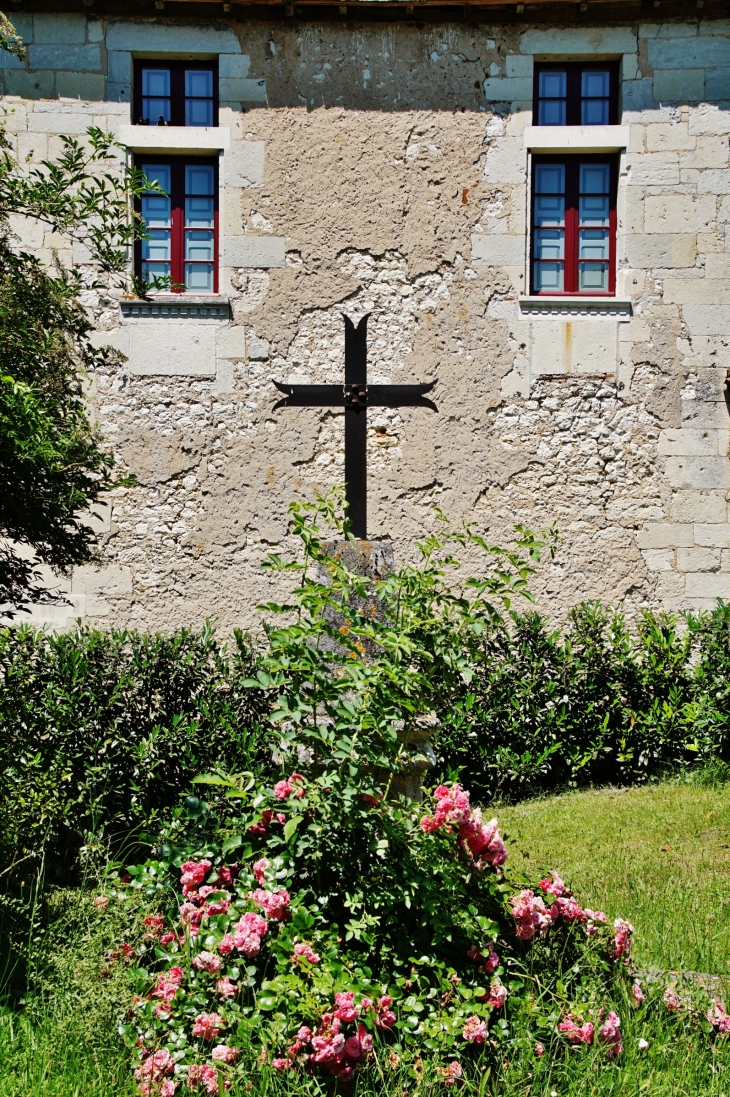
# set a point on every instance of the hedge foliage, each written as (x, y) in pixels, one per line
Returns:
(102, 732)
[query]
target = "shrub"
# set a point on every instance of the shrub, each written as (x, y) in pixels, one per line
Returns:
(103, 730)
(595, 704)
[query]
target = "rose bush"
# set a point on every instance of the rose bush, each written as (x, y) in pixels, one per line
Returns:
(327, 927)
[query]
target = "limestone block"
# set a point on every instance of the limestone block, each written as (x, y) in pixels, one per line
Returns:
(501, 89)
(669, 587)
(98, 518)
(117, 339)
(173, 348)
(661, 250)
(703, 414)
(683, 442)
(707, 319)
(717, 265)
(698, 472)
(58, 30)
(572, 347)
(707, 585)
(709, 152)
(519, 66)
(663, 136)
(678, 53)
(653, 169)
(241, 91)
(257, 252)
(258, 350)
(636, 95)
(95, 30)
(659, 559)
(714, 181)
(630, 67)
(58, 121)
(119, 93)
(506, 162)
(679, 85)
(85, 58)
(579, 40)
(231, 342)
(665, 212)
(23, 25)
(691, 291)
(707, 118)
(243, 165)
(717, 84)
(112, 579)
(498, 250)
(234, 65)
(224, 378)
(667, 30)
(664, 535)
(30, 85)
(119, 66)
(151, 37)
(81, 85)
(698, 559)
(696, 506)
(9, 61)
(714, 535)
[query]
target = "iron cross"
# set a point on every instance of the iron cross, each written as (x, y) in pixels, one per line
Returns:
(355, 396)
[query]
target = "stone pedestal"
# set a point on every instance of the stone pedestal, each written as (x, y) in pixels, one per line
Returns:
(374, 559)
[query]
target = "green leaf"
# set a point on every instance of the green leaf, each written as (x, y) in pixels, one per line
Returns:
(291, 825)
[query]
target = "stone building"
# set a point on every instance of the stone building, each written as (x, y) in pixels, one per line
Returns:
(532, 201)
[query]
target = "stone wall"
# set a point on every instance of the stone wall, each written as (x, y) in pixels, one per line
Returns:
(386, 169)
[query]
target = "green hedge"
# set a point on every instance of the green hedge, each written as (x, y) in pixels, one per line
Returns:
(101, 732)
(597, 703)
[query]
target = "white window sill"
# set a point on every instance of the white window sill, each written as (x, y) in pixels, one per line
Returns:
(616, 308)
(189, 139)
(576, 138)
(178, 306)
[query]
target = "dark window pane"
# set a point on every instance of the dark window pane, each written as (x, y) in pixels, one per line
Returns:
(199, 83)
(592, 277)
(594, 112)
(549, 210)
(595, 84)
(550, 178)
(551, 112)
(154, 109)
(595, 178)
(199, 179)
(156, 83)
(553, 85)
(548, 277)
(198, 112)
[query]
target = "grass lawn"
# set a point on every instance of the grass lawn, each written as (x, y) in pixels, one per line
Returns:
(659, 856)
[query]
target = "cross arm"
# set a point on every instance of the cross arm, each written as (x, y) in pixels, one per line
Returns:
(309, 396)
(400, 396)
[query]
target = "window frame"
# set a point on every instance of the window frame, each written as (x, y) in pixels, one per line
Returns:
(177, 87)
(572, 162)
(574, 70)
(177, 217)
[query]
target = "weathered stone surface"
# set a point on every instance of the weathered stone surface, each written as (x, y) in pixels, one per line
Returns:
(172, 348)
(379, 179)
(74, 58)
(260, 252)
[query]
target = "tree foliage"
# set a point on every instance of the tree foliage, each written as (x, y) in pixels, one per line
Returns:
(53, 464)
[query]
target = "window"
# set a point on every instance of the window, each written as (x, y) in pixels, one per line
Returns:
(574, 225)
(576, 94)
(176, 93)
(183, 224)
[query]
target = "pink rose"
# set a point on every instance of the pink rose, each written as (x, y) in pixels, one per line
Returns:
(208, 1025)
